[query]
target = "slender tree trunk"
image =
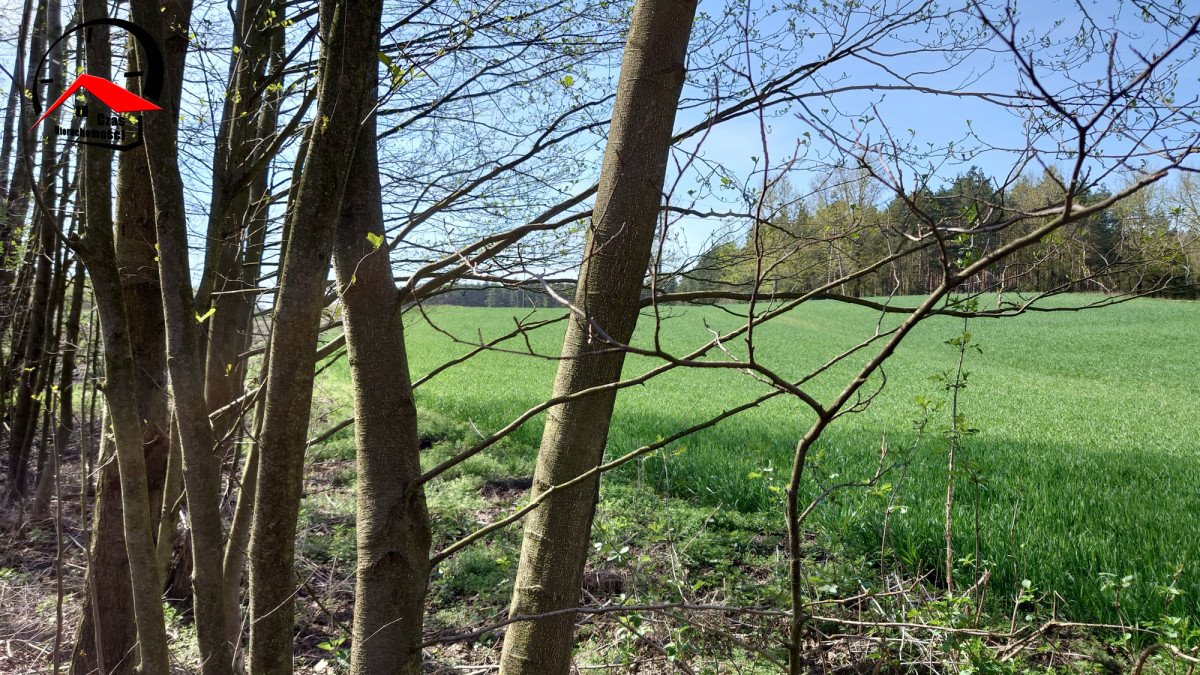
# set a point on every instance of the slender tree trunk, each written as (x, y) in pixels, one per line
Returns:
(392, 525)
(239, 537)
(617, 254)
(66, 387)
(348, 62)
(45, 243)
(201, 466)
(18, 319)
(137, 255)
(10, 112)
(13, 207)
(47, 451)
(96, 249)
(171, 492)
(109, 593)
(238, 216)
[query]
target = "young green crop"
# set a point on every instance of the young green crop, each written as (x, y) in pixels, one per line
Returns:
(1087, 455)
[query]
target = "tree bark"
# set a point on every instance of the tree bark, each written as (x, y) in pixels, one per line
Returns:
(348, 62)
(136, 584)
(238, 213)
(108, 592)
(617, 254)
(185, 368)
(44, 242)
(393, 528)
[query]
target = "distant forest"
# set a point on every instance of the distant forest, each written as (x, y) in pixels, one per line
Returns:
(1148, 244)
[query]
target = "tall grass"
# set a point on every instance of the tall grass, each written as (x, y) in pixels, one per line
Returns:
(1088, 451)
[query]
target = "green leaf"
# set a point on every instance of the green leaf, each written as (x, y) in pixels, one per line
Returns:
(375, 239)
(567, 81)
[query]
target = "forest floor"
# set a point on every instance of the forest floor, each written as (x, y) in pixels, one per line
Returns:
(30, 563)
(686, 555)
(649, 550)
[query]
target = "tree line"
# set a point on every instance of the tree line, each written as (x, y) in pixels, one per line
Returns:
(1149, 241)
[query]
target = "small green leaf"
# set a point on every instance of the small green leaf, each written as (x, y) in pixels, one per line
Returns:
(567, 81)
(375, 239)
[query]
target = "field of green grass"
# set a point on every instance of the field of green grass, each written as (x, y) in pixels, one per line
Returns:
(1087, 455)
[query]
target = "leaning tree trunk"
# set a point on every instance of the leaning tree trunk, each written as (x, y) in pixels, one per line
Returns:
(185, 367)
(347, 66)
(107, 593)
(393, 526)
(96, 249)
(555, 544)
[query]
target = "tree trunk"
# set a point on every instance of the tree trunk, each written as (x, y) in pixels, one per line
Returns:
(10, 114)
(392, 526)
(138, 571)
(137, 255)
(555, 543)
(185, 368)
(66, 389)
(348, 63)
(14, 188)
(108, 593)
(238, 214)
(235, 547)
(44, 242)
(119, 383)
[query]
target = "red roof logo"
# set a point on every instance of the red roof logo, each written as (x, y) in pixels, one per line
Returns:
(119, 99)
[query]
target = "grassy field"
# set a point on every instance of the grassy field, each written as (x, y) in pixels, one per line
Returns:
(1087, 455)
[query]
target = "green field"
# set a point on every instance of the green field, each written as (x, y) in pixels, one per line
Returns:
(1088, 450)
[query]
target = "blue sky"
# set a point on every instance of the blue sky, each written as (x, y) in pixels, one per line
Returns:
(927, 118)
(933, 120)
